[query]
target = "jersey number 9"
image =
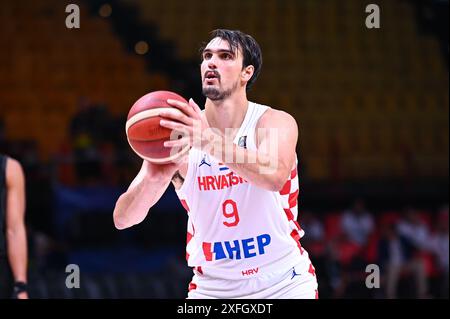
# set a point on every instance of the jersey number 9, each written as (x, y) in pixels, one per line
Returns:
(230, 210)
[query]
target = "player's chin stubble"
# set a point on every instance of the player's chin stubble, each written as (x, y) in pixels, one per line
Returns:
(215, 94)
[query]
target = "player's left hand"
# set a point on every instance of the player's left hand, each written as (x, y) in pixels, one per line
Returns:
(191, 123)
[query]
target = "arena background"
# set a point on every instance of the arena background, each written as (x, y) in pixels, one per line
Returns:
(371, 104)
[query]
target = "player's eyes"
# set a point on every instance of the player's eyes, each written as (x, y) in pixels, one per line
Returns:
(226, 56)
(223, 56)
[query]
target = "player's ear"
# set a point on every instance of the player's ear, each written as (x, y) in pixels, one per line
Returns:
(247, 73)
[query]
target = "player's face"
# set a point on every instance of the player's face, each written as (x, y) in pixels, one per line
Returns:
(220, 69)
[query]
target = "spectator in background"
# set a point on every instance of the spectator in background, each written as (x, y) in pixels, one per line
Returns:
(347, 249)
(357, 223)
(315, 243)
(80, 121)
(90, 130)
(86, 156)
(399, 254)
(313, 226)
(413, 229)
(439, 246)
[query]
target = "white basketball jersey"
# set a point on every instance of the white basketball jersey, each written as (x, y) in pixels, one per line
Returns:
(238, 230)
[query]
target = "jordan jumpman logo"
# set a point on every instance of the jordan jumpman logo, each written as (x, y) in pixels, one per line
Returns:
(204, 161)
(294, 273)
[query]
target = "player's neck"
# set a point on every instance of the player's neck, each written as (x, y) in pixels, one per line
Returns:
(228, 113)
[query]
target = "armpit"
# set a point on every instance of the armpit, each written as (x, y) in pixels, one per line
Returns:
(177, 180)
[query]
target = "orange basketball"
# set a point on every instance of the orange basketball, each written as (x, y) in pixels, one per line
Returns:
(145, 136)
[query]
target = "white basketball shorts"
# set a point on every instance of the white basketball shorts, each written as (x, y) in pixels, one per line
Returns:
(298, 282)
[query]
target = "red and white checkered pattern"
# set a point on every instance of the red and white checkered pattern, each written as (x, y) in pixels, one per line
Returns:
(289, 200)
(190, 227)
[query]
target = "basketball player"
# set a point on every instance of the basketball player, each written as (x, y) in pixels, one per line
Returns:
(13, 240)
(243, 237)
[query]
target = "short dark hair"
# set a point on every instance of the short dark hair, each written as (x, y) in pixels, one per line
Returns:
(250, 49)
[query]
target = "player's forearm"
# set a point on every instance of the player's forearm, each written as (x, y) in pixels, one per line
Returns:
(256, 167)
(132, 206)
(17, 252)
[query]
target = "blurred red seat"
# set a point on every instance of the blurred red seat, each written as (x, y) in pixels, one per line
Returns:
(332, 223)
(388, 218)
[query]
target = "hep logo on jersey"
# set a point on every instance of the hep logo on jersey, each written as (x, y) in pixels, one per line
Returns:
(236, 249)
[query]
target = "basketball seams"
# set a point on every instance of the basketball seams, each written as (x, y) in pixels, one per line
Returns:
(145, 115)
